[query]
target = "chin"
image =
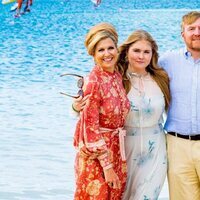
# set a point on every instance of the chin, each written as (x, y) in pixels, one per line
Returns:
(196, 48)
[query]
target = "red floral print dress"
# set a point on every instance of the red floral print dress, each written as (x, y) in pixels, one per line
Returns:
(97, 138)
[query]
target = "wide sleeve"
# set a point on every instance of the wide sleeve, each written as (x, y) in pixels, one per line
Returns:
(91, 141)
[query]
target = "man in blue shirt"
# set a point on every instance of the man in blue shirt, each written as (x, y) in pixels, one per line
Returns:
(183, 120)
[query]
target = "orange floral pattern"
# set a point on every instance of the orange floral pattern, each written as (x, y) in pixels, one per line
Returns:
(108, 106)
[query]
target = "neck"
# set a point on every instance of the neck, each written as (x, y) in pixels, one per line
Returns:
(137, 73)
(196, 55)
(111, 70)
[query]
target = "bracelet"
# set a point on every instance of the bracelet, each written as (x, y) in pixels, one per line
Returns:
(74, 109)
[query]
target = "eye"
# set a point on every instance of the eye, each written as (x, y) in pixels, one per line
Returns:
(136, 50)
(111, 48)
(100, 50)
(191, 28)
(147, 52)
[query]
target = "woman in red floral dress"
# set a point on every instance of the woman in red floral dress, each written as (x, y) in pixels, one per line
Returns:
(100, 166)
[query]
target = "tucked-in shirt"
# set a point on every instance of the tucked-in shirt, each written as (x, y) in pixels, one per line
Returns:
(184, 73)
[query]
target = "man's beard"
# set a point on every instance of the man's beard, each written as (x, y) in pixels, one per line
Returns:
(197, 49)
(193, 46)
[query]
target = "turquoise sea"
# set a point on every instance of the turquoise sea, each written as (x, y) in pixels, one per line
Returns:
(36, 127)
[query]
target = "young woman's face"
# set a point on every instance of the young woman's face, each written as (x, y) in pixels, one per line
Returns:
(106, 54)
(139, 56)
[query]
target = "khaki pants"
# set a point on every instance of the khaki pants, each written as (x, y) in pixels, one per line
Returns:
(183, 168)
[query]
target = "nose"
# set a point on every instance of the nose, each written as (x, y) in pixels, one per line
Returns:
(197, 31)
(141, 55)
(107, 52)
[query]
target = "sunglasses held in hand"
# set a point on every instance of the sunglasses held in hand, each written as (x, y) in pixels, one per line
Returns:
(80, 82)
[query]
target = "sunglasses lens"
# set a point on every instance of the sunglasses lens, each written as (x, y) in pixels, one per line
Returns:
(71, 82)
(80, 83)
(80, 93)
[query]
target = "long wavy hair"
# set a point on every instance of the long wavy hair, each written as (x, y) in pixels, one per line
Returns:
(156, 72)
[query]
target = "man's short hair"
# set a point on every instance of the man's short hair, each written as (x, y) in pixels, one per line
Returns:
(189, 18)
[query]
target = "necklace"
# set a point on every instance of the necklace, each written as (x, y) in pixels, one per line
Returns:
(140, 89)
(134, 74)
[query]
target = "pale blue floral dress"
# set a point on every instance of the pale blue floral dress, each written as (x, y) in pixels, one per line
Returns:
(145, 142)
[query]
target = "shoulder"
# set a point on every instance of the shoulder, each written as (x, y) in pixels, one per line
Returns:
(91, 83)
(94, 75)
(169, 58)
(168, 54)
(171, 54)
(118, 74)
(93, 79)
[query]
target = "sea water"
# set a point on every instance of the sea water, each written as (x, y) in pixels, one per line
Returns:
(36, 127)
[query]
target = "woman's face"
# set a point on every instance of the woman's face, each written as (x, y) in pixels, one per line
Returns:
(139, 56)
(106, 54)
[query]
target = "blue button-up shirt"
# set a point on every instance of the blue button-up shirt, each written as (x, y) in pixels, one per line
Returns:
(184, 72)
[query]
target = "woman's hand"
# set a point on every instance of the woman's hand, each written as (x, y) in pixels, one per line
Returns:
(80, 103)
(112, 179)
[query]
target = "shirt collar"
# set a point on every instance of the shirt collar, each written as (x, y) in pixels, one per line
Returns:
(187, 54)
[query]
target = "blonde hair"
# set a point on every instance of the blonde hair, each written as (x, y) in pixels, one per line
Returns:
(189, 18)
(157, 73)
(97, 33)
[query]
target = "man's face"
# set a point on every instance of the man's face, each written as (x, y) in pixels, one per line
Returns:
(191, 35)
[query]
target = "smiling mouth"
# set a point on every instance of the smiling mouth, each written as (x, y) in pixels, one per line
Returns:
(195, 41)
(196, 38)
(140, 62)
(107, 59)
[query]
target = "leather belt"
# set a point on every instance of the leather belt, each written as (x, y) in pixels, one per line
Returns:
(189, 137)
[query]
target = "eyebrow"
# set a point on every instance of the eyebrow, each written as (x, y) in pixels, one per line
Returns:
(142, 49)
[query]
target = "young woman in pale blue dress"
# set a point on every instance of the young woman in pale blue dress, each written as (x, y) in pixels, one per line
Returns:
(147, 87)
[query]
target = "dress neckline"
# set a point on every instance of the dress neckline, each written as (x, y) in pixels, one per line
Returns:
(136, 75)
(106, 72)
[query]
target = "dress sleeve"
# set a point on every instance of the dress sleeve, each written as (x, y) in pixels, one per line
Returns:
(93, 143)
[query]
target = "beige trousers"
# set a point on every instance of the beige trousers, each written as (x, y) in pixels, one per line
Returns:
(183, 168)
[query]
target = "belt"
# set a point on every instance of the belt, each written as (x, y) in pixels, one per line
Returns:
(189, 137)
(122, 133)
